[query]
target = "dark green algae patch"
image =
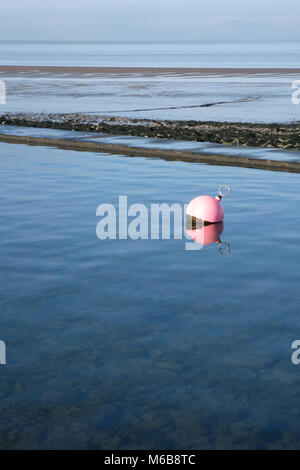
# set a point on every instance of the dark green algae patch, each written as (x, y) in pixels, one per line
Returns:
(282, 136)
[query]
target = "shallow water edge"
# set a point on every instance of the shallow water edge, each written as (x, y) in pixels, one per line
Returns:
(166, 154)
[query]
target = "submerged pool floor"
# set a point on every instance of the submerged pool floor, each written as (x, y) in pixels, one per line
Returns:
(142, 344)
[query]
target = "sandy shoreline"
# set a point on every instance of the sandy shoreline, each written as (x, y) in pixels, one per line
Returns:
(54, 71)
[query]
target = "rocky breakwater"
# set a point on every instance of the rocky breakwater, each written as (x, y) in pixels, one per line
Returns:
(284, 136)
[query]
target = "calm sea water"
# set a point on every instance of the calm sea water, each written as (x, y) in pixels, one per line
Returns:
(284, 54)
(121, 344)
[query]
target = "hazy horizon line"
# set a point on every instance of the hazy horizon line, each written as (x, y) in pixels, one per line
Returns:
(187, 41)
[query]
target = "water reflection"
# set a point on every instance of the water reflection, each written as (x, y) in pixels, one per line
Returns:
(205, 233)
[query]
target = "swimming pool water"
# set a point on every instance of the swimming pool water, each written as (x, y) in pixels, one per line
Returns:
(141, 344)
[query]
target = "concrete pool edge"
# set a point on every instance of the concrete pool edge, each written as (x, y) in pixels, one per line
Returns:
(165, 154)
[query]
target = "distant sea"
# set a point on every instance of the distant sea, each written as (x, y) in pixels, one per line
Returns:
(284, 54)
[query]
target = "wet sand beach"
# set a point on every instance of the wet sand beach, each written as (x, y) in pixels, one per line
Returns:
(261, 95)
(55, 71)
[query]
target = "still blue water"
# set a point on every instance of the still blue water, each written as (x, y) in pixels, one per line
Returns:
(121, 344)
(283, 54)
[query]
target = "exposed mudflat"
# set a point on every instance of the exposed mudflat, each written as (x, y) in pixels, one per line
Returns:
(56, 71)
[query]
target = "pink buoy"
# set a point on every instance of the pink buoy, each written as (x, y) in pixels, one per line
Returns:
(208, 208)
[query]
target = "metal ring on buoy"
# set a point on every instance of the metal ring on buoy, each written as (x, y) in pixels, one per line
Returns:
(226, 188)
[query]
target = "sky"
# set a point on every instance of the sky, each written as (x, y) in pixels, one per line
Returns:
(150, 20)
